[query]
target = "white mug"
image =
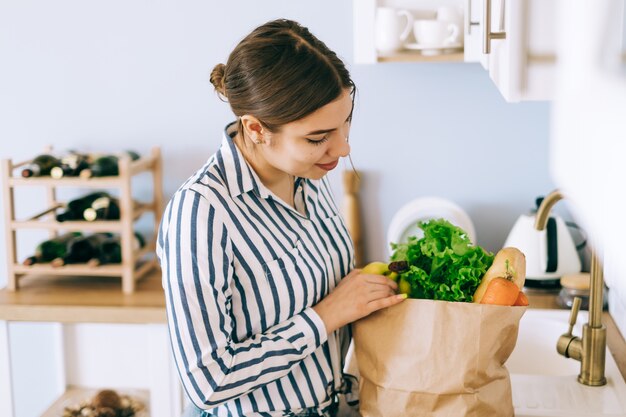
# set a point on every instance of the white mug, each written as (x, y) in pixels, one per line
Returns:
(390, 30)
(435, 33)
(452, 14)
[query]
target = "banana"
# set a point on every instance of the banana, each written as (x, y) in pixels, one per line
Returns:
(379, 268)
(404, 287)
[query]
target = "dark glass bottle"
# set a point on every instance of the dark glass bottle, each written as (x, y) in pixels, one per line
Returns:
(50, 249)
(103, 208)
(40, 166)
(106, 165)
(111, 249)
(71, 165)
(133, 155)
(77, 207)
(83, 249)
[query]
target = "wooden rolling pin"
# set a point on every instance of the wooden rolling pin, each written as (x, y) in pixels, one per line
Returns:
(351, 212)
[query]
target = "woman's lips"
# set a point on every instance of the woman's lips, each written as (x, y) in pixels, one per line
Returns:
(328, 166)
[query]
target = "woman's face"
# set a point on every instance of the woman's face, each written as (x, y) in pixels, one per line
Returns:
(311, 147)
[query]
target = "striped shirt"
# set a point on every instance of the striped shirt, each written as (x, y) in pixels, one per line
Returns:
(241, 271)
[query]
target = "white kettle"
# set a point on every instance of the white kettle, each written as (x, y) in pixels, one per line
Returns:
(550, 253)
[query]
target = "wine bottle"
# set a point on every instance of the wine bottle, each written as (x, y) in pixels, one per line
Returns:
(76, 208)
(106, 165)
(71, 165)
(40, 166)
(103, 208)
(111, 249)
(50, 249)
(82, 249)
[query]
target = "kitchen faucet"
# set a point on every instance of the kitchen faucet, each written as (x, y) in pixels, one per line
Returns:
(590, 349)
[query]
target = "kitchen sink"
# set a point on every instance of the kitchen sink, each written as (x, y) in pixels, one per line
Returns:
(545, 383)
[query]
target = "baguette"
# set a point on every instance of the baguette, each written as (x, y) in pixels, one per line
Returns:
(509, 263)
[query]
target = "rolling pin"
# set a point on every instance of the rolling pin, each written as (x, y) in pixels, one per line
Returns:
(351, 212)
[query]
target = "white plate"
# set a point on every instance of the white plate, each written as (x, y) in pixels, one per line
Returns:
(404, 223)
(434, 49)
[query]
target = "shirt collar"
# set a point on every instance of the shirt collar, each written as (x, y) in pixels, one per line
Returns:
(239, 175)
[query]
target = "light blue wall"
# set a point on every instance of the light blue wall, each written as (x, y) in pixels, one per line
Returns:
(111, 75)
(132, 74)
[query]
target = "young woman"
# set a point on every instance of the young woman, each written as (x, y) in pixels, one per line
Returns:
(257, 263)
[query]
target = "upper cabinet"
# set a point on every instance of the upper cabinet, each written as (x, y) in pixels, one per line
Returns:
(520, 42)
(415, 31)
(514, 40)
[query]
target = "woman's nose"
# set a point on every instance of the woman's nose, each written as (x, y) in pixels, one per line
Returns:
(339, 146)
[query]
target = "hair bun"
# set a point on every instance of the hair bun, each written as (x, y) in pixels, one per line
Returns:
(217, 78)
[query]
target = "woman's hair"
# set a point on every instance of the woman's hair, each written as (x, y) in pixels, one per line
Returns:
(280, 73)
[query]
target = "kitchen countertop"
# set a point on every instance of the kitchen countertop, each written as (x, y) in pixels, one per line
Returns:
(72, 299)
(100, 300)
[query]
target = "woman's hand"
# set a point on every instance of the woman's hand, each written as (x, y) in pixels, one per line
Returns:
(356, 296)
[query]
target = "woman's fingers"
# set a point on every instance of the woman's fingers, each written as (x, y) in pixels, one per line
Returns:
(381, 287)
(380, 293)
(356, 296)
(380, 279)
(386, 302)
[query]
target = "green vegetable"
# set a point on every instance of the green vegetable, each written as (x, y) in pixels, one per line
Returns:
(444, 264)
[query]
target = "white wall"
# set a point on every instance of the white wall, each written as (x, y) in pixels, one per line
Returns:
(111, 75)
(132, 74)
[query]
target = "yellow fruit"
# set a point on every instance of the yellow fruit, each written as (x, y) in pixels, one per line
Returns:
(375, 268)
(404, 287)
(380, 268)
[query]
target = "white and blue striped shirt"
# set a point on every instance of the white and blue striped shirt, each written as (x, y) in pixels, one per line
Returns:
(241, 271)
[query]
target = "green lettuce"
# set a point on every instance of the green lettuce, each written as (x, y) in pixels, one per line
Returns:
(442, 265)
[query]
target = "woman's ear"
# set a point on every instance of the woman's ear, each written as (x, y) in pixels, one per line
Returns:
(253, 129)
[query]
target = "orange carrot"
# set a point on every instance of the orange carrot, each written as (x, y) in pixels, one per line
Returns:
(522, 300)
(501, 291)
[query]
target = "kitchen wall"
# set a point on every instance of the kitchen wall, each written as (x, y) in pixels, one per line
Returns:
(115, 75)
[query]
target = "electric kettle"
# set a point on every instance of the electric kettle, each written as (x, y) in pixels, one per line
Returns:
(550, 253)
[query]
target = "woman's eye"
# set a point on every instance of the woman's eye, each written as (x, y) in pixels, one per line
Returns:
(317, 141)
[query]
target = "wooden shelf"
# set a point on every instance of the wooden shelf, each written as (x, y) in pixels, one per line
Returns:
(145, 163)
(76, 269)
(79, 226)
(99, 182)
(413, 56)
(130, 211)
(76, 395)
(72, 226)
(84, 299)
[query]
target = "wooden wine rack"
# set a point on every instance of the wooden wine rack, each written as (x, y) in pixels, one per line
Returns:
(132, 267)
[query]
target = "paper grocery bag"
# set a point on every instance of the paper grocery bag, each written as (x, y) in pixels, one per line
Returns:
(436, 358)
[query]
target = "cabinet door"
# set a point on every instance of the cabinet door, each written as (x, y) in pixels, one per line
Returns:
(588, 129)
(363, 19)
(474, 33)
(522, 61)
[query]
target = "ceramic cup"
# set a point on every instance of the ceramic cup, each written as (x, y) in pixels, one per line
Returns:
(392, 28)
(452, 14)
(435, 33)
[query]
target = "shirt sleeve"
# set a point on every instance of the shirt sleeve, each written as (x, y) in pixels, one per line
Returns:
(197, 263)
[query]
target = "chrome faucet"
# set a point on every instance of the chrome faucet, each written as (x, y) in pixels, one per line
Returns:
(590, 349)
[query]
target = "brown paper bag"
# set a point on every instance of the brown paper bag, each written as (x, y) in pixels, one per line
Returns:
(436, 358)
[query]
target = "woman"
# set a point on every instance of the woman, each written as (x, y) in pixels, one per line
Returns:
(258, 265)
